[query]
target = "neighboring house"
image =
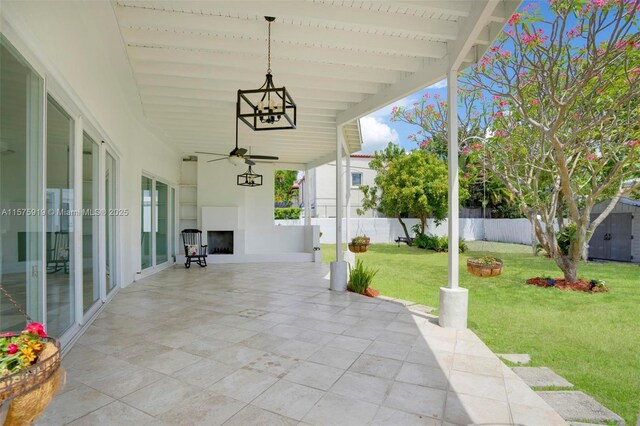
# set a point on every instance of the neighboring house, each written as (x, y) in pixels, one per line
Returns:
(618, 236)
(322, 187)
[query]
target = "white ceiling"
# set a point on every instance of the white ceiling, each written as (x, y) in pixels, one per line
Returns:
(338, 59)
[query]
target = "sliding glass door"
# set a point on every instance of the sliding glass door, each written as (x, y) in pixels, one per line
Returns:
(162, 222)
(110, 222)
(60, 205)
(147, 258)
(21, 147)
(90, 228)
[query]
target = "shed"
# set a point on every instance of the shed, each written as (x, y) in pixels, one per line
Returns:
(618, 236)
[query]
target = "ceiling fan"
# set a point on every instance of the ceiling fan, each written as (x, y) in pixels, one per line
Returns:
(238, 156)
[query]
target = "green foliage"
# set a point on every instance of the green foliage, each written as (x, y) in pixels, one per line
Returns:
(566, 238)
(361, 240)
(437, 244)
(287, 213)
(413, 184)
(485, 260)
(360, 277)
(283, 180)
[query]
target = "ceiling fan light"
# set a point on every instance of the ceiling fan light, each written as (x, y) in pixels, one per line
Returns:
(236, 160)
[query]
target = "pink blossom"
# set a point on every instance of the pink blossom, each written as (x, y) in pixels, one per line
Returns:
(496, 97)
(426, 96)
(510, 32)
(503, 103)
(515, 18)
(573, 32)
(436, 96)
(441, 103)
(505, 54)
(498, 114)
(529, 39)
(633, 144)
(394, 110)
(500, 133)
(591, 157)
(494, 49)
(476, 147)
(423, 144)
(485, 61)
(12, 349)
(407, 116)
(599, 3)
(7, 334)
(534, 102)
(36, 328)
(467, 175)
(465, 151)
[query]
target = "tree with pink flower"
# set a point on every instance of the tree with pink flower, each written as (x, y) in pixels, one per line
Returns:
(564, 116)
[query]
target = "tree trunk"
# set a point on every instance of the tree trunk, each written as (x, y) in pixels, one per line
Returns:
(406, 232)
(568, 266)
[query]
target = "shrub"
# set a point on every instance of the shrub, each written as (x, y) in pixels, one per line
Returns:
(360, 277)
(287, 212)
(566, 238)
(435, 243)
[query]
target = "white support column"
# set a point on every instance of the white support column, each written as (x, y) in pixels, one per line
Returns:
(348, 256)
(306, 198)
(453, 300)
(338, 280)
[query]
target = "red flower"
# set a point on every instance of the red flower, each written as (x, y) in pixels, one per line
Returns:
(12, 349)
(36, 328)
(9, 334)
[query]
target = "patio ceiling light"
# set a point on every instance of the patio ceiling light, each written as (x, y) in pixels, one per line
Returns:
(264, 108)
(249, 178)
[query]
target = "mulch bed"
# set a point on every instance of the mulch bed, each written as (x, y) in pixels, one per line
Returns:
(560, 283)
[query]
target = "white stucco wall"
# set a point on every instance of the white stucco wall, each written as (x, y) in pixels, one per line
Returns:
(78, 49)
(324, 183)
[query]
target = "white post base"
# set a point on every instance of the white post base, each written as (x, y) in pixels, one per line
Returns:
(338, 281)
(453, 307)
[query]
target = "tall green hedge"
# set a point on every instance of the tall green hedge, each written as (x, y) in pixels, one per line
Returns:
(287, 213)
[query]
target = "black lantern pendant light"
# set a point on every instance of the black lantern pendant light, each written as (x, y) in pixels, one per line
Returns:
(269, 107)
(249, 178)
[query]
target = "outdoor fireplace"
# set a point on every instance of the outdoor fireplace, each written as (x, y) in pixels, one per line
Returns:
(220, 242)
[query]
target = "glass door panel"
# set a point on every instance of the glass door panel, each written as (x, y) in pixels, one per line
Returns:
(172, 227)
(21, 92)
(90, 258)
(110, 222)
(147, 260)
(162, 222)
(59, 223)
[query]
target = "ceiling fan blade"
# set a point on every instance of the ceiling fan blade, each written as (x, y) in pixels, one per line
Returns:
(210, 153)
(262, 157)
(240, 152)
(218, 159)
(249, 162)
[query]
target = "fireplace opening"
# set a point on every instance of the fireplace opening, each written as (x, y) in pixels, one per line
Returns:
(220, 242)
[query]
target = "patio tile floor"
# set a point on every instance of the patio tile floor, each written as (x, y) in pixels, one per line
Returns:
(270, 345)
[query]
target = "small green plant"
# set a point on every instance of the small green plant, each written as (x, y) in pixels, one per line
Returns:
(566, 238)
(361, 240)
(287, 213)
(485, 260)
(360, 277)
(435, 243)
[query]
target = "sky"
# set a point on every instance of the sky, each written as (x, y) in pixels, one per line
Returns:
(378, 130)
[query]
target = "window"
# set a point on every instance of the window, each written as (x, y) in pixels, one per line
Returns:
(356, 179)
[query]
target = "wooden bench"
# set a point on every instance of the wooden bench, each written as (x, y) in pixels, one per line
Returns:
(403, 240)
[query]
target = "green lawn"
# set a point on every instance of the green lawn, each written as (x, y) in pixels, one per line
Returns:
(593, 340)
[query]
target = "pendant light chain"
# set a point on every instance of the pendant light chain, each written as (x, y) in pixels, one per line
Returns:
(269, 51)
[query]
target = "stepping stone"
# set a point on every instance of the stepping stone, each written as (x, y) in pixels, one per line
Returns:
(516, 358)
(541, 376)
(577, 406)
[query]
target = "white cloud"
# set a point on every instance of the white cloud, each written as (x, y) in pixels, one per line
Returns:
(376, 134)
(439, 85)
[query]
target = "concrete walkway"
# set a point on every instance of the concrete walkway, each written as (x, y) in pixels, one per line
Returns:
(269, 344)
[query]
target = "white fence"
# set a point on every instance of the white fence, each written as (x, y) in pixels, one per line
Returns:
(386, 230)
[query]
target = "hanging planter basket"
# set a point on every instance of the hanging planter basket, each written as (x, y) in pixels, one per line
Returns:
(25, 393)
(358, 248)
(483, 268)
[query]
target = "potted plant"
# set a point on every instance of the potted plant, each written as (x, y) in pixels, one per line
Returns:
(359, 244)
(486, 266)
(360, 277)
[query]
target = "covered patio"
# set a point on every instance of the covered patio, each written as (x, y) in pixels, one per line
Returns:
(263, 345)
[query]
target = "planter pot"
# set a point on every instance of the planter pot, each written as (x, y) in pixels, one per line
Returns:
(358, 248)
(484, 270)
